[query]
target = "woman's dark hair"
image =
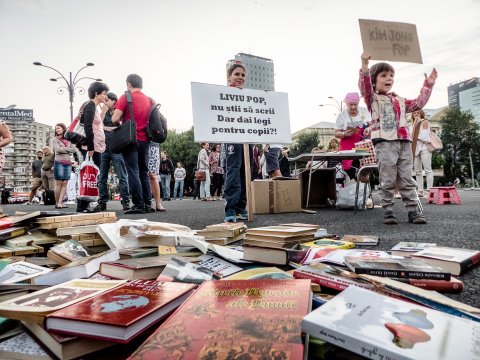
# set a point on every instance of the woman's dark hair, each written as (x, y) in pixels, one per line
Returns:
(233, 67)
(96, 88)
(377, 69)
(112, 96)
(62, 125)
(135, 80)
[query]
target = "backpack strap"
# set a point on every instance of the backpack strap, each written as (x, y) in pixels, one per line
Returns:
(128, 96)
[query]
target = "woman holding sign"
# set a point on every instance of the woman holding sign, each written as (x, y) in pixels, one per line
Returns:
(235, 189)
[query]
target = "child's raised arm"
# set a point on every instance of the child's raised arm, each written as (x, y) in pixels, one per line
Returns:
(365, 59)
(425, 92)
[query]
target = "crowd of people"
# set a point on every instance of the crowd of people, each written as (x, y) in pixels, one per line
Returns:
(145, 173)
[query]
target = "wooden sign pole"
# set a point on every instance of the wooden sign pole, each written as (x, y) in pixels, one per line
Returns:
(248, 181)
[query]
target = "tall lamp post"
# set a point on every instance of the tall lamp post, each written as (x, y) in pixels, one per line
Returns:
(338, 104)
(71, 83)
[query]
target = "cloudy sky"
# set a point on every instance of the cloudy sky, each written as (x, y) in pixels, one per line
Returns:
(315, 46)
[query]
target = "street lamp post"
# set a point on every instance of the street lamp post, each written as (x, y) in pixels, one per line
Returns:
(338, 104)
(71, 83)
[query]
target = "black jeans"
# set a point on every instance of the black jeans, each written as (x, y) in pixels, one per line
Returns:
(136, 162)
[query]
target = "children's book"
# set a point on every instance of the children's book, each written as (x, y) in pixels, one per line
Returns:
(396, 268)
(240, 319)
(381, 327)
(122, 313)
(407, 248)
(361, 239)
(457, 261)
(35, 306)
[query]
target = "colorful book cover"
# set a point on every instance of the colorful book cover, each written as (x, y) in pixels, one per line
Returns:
(261, 273)
(330, 277)
(241, 319)
(381, 327)
(53, 298)
(70, 250)
(328, 243)
(114, 315)
(361, 239)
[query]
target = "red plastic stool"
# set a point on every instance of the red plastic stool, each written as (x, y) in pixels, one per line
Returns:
(443, 195)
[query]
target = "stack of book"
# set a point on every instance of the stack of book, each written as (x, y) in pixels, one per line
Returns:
(224, 233)
(280, 236)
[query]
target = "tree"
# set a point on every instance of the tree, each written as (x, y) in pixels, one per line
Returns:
(305, 142)
(460, 135)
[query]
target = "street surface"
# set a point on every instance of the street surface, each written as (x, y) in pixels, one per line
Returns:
(448, 225)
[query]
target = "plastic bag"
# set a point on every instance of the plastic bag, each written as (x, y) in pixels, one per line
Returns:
(87, 178)
(346, 196)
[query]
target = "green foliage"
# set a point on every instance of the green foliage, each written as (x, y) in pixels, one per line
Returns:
(437, 160)
(460, 135)
(182, 147)
(304, 143)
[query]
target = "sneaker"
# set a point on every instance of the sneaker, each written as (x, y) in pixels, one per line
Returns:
(242, 215)
(134, 210)
(126, 206)
(415, 217)
(149, 209)
(71, 202)
(28, 203)
(96, 207)
(397, 196)
(389, 218)
(230, 217)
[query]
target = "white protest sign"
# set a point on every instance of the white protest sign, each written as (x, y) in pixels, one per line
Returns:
(393, 41)
(232, 115)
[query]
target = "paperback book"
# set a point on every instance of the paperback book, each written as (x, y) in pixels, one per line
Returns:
(67, 251)
(457, 261)
(261, 273)
(23, 271)
(122, 313)
(337, 257)
(407, 248)
(396, 268)
(218, 266)
(273, 256)
(180, 270)
(381, 327)
(234, 319)
(328, 243)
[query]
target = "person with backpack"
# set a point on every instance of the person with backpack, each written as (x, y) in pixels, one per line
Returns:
(136, 155)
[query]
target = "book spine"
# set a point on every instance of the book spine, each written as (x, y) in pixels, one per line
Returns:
(469, 263)
(351, 343)
(402, 274)
(441, 286)
(329, 282)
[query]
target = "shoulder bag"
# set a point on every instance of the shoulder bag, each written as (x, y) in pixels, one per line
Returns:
(126, 134)
(435, 142)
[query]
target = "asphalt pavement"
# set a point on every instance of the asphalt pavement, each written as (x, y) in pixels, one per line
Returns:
(448, 225)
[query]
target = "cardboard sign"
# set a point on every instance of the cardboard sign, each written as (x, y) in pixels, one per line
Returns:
(243, 116)
(390, 41)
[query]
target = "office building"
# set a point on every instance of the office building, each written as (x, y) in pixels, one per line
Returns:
(28, 137)
(466, 96)
(260, 72)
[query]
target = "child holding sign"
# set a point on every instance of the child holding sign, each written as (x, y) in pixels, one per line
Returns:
(390, 135)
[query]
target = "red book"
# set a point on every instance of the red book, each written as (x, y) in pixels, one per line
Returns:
(6, 222)
(330, 277)
(442, 286)
(121, 314)
(234, 319)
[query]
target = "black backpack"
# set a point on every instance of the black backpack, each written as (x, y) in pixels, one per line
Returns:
(157, 124)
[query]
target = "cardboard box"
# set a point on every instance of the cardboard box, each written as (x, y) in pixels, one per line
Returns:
(276, 196)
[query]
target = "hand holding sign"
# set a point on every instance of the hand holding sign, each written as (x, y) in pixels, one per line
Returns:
(390, 41)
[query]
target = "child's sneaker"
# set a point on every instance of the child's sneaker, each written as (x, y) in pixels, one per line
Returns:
(230, 216)
(389, 218)
(415, 217)
(242, 215)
